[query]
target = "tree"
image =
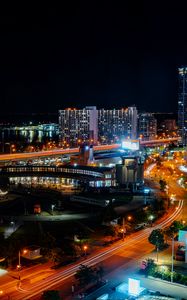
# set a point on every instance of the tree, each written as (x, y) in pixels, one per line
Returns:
(72, 249)
(172, 231)
(85, 275)
(54, 255)
(112, 231)
(176, 226)
(51, 295)
(140, 216)
(157, 238)
(162, 185)
(168, 234)
(150, 266)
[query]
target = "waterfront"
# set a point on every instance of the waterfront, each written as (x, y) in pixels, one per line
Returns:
(28, 137)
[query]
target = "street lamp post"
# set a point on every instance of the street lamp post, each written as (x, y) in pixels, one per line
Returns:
(157, 253)
(85, 249)
(123, 228)
(19, 263)
(172, 254)
(151, 217)
(157, 248)
(19, 266)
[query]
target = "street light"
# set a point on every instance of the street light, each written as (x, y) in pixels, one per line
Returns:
(151, 217)
(85, 249)
(123, 231)
(52, 207)
(19, 264)
(157, 248)
(172, 254)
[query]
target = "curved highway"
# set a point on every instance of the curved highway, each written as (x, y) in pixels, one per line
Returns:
(34, 289)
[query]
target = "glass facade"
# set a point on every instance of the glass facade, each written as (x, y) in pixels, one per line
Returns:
(147, 126)
(182, 104)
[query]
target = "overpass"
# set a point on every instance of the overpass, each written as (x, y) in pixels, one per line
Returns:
(70, 151)
(55, 152)
(159, 142)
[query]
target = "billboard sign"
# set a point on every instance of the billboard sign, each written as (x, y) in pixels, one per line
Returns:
(134, 287)
(130, 144)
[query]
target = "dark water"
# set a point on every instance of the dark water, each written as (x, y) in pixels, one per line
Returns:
(25, 137)
(29, 136)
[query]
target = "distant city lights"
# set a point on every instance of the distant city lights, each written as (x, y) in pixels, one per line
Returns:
(183, 169)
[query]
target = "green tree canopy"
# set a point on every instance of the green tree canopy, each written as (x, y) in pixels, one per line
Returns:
(150, 266)
(72, 249)
(157, 238)
(55, 255)
(112, 230)
(176, 226)
(85, 275)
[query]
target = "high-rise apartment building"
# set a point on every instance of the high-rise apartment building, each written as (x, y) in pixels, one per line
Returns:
(114, 124)
(147, 126)
(92, 125)
(182, 104)
(78, 125)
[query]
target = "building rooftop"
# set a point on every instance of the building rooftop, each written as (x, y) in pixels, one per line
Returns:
(90, 168)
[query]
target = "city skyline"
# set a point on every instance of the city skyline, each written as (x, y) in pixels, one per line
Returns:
(83, 55)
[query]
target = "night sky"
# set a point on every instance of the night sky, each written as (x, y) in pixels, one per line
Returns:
(98, 53)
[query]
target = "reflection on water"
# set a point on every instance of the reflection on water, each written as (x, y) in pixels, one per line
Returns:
(29, 134)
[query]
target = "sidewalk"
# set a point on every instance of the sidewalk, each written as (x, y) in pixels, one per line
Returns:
(164, 287)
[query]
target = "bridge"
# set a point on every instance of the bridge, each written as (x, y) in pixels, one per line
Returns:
(159, 142)
(71, 151)
(82, 173)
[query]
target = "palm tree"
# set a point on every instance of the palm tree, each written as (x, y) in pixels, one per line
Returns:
(85, 275)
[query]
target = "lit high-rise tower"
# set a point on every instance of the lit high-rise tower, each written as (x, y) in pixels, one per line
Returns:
(182, 104)
(78, 125)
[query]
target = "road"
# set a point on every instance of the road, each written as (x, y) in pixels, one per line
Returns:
(114, 255)
(30, 155)
(122, 253)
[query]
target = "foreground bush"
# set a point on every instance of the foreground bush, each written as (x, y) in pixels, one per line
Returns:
(153, 270)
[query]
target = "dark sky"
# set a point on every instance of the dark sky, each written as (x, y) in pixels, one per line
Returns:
(91, 53)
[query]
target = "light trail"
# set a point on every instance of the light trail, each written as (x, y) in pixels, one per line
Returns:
(27, 155)
(58, 278)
